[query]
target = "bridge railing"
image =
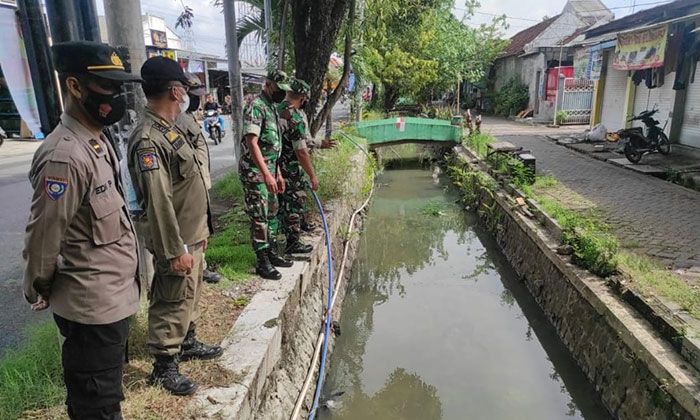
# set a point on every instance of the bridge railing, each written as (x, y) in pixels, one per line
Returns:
(408, 128)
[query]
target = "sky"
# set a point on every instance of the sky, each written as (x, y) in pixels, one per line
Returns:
(209, 34)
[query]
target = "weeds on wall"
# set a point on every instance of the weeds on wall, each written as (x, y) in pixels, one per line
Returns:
(511, 98)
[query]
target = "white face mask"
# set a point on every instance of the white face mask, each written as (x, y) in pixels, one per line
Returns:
(184, 105)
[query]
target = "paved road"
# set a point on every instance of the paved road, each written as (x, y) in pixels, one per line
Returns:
(660, 217)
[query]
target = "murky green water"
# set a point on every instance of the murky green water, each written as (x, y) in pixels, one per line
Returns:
(436, 325)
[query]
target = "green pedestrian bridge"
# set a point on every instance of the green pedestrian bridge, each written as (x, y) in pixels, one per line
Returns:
(400, 130)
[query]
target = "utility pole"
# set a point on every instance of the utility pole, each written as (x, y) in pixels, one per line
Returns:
(73, 20)
(36, 42)
(234, 77)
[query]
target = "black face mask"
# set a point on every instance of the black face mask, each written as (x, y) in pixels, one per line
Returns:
(194, 103)
(279, 96)
(105, 109)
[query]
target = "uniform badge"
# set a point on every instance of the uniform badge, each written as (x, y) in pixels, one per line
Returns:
(96, 146)
(116, 60)
(55, 187)
(148, 160)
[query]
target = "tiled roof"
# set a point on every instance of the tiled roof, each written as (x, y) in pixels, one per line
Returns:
(524, 37)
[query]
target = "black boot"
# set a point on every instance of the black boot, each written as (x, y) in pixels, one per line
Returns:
(296, 246)
(194, 349)
(275, 259)
(308, 226)
(264, 268)
(211, 276)
(167, 374)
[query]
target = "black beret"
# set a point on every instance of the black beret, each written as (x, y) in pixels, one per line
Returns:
(90, 57)
(162, 69)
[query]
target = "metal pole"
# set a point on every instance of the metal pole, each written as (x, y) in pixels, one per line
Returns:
(556, 97)
(41, 68)
(63, 21)
(268, 30)
(234, 77)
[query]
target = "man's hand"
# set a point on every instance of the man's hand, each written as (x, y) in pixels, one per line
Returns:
(41, 304)
(271, 183)
(328, 144)
(281, 184)
(314, 184)
(182, 264)
(205, 245)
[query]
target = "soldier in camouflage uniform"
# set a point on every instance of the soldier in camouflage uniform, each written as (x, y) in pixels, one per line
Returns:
(260, 150)
(295, 156)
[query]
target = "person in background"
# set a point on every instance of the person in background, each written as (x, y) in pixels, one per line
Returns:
(227, 105)
(187, 123)
(212, 105)
(80, 245)
(170, 187)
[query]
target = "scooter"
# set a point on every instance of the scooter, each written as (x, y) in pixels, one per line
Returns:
(214, 126)
(637, 143)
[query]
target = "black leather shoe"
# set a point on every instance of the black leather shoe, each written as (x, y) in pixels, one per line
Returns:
(167, 374)
(194, 349)
(295, 246)
(211, 276)
(264, 267)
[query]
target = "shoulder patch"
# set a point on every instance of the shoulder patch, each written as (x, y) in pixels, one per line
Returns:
(148, 159)
(55, 187)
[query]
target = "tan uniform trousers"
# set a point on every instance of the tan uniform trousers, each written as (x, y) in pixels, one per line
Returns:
(174, 308)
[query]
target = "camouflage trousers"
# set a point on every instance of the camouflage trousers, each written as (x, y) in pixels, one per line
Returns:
(261, 207)
(293, 200)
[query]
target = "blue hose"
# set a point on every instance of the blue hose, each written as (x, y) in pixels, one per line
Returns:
(327, 325)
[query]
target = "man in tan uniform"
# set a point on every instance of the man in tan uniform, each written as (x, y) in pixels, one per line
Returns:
(170, 186)
(80, 245)
(188, 124)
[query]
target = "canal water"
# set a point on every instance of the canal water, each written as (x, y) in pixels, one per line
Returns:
(436, 325)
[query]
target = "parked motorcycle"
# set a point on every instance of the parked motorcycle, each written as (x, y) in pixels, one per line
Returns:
(214, 126)
(637, 143)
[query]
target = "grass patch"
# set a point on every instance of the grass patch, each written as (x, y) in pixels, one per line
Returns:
(31, 376)
(371, 114)
(230, 250)
(333, 167)
(479, 143)
(433, 208)
(652, 277)
(228, 187)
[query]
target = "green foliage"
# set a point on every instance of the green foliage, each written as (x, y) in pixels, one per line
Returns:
(479, 143)
(369, 115)
(511, 98)
(433, 208)
(31, 376)
(412, 47)
(561, 117)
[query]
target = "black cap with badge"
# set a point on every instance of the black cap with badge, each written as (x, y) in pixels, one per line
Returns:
(96, 58)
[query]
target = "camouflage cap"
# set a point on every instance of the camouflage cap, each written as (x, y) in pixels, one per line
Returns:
(281, 78)
(299, 86)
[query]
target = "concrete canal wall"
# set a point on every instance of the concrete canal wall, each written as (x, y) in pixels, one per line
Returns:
(638, 374)
(271, 345)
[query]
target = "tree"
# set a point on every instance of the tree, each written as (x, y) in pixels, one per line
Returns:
(317, 24)
(412, 47)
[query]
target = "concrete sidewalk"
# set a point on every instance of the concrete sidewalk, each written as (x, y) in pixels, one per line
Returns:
(657, 217)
